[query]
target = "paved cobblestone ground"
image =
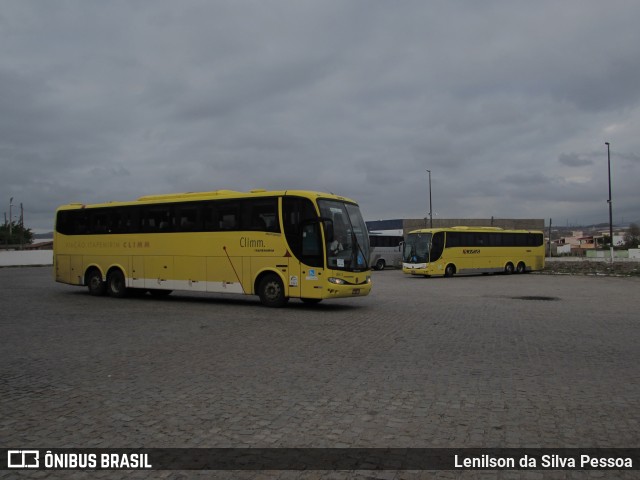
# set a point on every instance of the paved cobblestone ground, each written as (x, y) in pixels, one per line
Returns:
(478, 361)
(589, 267)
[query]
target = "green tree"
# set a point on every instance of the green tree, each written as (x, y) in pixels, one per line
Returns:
(19, 234)
(632, 237)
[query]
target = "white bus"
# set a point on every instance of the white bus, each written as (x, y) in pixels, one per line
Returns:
(386, 248)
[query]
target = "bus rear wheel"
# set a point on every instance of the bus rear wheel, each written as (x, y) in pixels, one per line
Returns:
(116, 284)
(380, 264)
(271, 291)
(521, 268)
(508, 268)
(94, 281)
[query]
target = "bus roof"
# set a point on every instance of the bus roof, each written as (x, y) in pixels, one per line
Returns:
(462, 228)
(217, 194)
(386, 233)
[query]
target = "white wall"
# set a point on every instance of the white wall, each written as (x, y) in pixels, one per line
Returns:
(25, 257)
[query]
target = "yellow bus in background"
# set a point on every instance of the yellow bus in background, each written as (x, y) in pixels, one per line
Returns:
(460, 250)
(274, 244)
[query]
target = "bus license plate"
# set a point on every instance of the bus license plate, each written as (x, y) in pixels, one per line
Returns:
(355, 291)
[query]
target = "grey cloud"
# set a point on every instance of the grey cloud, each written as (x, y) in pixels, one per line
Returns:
(574, 160)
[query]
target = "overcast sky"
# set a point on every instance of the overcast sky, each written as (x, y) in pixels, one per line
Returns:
(508, 103)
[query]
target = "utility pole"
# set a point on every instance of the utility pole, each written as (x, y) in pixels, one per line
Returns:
(610, 201)
(21, 225)
(430, 205)
(10, 217)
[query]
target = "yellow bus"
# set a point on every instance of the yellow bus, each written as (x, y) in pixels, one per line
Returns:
(460, 250)
(274, 244)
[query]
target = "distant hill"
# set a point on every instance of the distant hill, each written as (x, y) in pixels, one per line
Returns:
(37, 236)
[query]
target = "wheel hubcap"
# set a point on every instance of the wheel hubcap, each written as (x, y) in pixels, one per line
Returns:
(272, 291)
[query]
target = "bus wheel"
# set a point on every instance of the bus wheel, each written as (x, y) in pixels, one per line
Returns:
(271, 291)
(450, 270)
(508, 268)
(94, 281)
(116, 285)
(521, 267)
(380, 264)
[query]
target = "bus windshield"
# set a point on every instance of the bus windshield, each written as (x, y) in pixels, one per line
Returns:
(346, 235)
(416, 248)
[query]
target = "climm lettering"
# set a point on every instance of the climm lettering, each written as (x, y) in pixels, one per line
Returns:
(134, 244)
(251, 243)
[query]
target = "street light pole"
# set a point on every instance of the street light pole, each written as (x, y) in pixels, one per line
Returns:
(610, 201)
(430, 205)
(10, 217)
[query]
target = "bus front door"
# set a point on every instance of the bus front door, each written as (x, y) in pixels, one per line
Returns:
(311, 270)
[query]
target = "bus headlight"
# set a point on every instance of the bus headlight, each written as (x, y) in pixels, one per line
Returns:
(369, 279)
(337, 281)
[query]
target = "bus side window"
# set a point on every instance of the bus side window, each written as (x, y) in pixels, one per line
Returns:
(99, 220)
(186, 218)
(155, 219)
(260, 215)
(210, 217)
(228, 222)
(453, 239)
(538, 239)
(68, 222)
(228, 216)
(437, 246)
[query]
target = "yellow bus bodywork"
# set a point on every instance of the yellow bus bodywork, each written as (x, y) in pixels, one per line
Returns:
(480, 259)
(220, 262)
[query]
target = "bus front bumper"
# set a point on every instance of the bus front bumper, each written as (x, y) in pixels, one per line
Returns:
(414, 268)
(340, 287)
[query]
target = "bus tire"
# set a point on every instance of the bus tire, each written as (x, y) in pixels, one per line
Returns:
(508, 268)
(521, 268)
(271, 291)
(450, 270)
(97, 286)
(116, 284)
(380, 264)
